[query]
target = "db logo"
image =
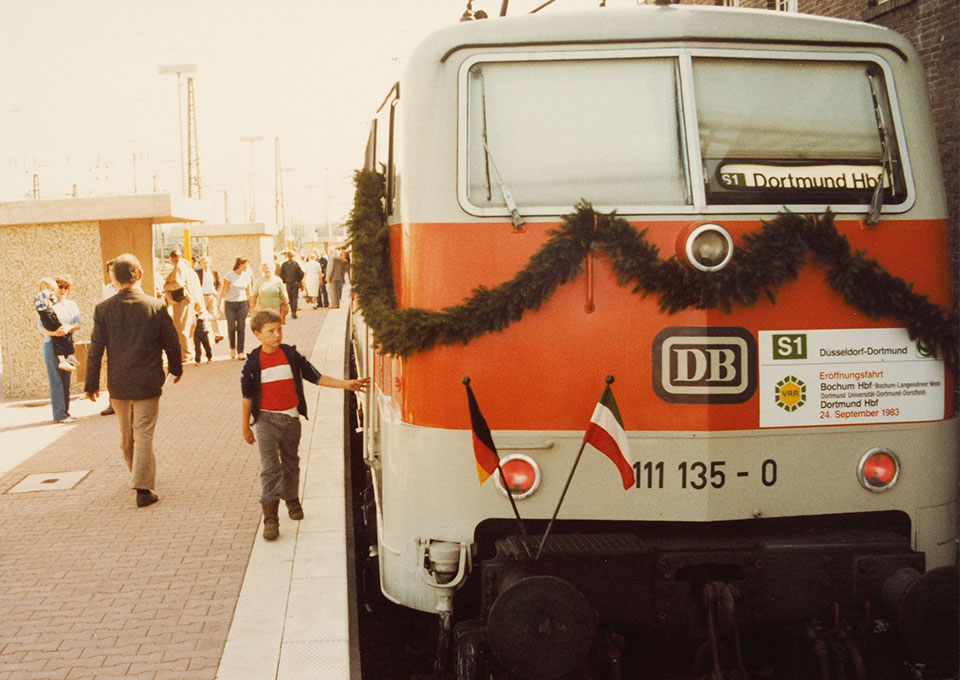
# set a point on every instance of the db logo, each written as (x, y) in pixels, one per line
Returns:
(710, 365)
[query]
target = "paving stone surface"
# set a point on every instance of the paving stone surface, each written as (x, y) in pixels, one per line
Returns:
(92, 586)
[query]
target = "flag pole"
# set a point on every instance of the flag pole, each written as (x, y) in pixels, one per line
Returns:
(503, 480)
(546, 533)
(543, 541)
(513, 503)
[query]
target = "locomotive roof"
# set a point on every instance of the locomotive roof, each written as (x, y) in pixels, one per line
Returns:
(650, 23)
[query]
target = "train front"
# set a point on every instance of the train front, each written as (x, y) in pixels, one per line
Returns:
(737, 216)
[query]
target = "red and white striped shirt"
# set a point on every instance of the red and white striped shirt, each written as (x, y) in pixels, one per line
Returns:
(278, 392)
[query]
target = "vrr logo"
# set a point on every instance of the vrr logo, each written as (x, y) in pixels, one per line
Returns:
(693, 365)
(791, 393)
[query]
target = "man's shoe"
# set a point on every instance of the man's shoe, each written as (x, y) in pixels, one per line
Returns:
(271, 522)
(108, 411)
(146, 497)
(294, 316)
(217, 339)
(294, 509)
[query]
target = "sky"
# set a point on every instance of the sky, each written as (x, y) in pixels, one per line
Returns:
(82, 102)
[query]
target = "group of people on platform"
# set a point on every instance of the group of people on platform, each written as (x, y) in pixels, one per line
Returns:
(145, 337)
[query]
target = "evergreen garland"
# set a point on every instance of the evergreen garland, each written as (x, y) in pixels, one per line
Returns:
(769, 259)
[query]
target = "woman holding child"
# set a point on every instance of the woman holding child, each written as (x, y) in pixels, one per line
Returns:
(68, 312)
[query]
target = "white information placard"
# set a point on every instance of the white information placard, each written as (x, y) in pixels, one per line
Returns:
(848, 376)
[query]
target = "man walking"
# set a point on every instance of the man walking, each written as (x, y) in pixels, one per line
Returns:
(335, 276)
(210, 286)
(179, 296)
(292, 275)
(135, 329)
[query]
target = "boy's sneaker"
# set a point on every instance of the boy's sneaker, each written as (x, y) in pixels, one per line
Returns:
(294, 509)
(65, 365)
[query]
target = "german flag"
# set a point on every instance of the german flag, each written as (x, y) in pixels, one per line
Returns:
(483, 447)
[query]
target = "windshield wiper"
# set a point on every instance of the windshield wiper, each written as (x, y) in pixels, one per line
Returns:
(876, 201)
(515, 216)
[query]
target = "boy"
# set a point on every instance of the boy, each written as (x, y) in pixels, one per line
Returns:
(272, 387)
(63, 344)
(200, 337)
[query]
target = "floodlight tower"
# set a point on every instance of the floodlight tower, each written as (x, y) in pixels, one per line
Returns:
(280, 216)
(180, 69)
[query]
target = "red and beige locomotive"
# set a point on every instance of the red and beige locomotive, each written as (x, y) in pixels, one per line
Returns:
(739, 216)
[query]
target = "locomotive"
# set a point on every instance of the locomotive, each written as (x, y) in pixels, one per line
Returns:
(738, 216)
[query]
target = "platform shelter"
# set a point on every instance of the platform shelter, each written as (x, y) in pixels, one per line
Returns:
(71, 237)
(225, 242)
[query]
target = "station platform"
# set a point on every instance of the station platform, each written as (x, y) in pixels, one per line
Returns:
(93, 587)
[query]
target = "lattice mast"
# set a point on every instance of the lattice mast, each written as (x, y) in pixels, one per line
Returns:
(281, 217)
(193, 150)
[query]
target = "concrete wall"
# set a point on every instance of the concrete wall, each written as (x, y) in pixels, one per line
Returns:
(29, 252)
(225, 242)
(129, 236)
(224, 250)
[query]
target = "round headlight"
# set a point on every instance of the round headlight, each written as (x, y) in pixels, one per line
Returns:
(522, 475)
(708, 247)
(878, 470)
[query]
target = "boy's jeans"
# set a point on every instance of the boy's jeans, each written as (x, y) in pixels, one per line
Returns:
(279, 438)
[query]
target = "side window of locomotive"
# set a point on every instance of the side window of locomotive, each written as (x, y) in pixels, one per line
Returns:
(554, 131)
(384, 138)
(370, 151)
(781, 132)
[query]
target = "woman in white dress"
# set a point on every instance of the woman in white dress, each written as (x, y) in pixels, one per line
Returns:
(313, 273)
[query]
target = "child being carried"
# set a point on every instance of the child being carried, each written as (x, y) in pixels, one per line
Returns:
(62, 344)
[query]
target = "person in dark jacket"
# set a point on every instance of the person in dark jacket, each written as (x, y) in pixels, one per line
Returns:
(271, 385)
(136, 330)
(292, 275)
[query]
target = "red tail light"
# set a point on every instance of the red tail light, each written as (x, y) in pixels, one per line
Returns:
(522, 475)
(879, 469)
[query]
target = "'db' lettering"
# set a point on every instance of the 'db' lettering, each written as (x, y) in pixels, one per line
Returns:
(687, 356)
(715, 364)
(722, 368)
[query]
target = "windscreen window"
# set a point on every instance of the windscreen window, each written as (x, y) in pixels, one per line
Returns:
(553, 132)
(780, 132)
